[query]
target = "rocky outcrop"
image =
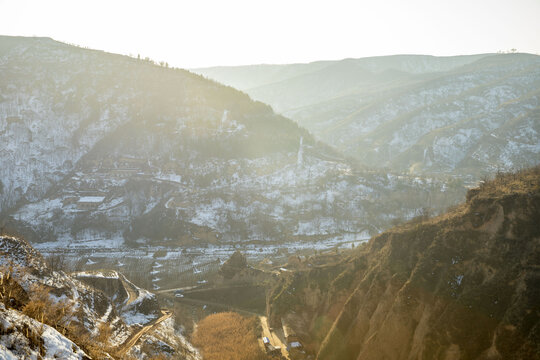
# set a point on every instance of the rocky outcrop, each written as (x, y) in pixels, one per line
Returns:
(464, 285)
(108, 282)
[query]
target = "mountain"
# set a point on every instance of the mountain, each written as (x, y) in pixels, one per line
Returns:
(463, 285)
(50, 314)
(464, 115)
(106, 151)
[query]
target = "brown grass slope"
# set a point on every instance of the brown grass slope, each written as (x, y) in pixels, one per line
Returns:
(464, 285)
(228, 336)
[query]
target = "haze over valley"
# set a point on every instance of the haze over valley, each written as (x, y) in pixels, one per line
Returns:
(279, 181)
(461, 115)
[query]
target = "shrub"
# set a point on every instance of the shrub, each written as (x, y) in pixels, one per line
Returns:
(12, 295)
(44, 309)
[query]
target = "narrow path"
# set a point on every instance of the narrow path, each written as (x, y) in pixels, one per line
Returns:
(275, 338)
(132, 294)
(132, 340)
(186, 288)
(198, 289)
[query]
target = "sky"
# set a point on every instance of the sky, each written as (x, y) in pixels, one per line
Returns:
(201, 33)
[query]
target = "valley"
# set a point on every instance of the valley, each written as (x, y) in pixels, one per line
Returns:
(110, 154)
(374, 208)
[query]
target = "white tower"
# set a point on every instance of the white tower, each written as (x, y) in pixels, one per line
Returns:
(300, 161)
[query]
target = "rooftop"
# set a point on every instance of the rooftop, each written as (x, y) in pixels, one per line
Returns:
(92, 199)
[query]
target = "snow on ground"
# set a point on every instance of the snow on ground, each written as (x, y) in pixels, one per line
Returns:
(134, 317)
(211, 252)
(105, 316)
(169, 177)
(15, 345)
(164, 336)
(34, 213)
(91, 240)
(105, 274)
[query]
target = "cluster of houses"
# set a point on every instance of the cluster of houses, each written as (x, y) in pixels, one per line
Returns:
(90, 198)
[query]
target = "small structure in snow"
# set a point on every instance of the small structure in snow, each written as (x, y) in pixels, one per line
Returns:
(90, 202)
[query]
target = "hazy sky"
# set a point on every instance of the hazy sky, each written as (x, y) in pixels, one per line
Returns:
(198, 33)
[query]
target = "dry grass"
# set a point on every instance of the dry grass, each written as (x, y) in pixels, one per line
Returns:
(519, 182)
(228, 336)
(12, 295)
(38, 304)
(41, 307)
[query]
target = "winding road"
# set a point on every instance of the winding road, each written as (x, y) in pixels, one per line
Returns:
(132, 340)
(132, 293)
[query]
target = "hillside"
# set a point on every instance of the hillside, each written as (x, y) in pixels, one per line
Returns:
(85, 315)
(463, 285)
(464, 115)
(107, 151)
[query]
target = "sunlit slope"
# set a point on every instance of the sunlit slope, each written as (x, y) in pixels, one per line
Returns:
(463, 285)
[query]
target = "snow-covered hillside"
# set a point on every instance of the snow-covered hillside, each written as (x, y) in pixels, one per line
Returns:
(102, 150)
(93, 305)
(464, 115)
(20, 332)
(51, 113)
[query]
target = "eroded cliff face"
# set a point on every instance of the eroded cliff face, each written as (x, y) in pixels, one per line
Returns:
(465, 285)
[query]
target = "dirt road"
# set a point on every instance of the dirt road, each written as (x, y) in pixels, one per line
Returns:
(132, 340)
(276, 337)
(132, 294)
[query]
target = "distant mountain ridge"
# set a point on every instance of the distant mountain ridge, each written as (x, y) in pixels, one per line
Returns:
(463, 115)
(250, 77)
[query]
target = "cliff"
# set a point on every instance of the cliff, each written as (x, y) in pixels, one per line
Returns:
(464, 285)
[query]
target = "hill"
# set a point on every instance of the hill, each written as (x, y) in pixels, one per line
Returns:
(463, 115)
(463, 285)
(50, 314)
(108, 151)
